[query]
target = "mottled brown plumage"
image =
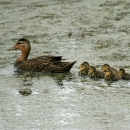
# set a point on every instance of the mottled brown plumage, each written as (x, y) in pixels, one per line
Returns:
(123, 74)
(93, 73)
(41, 63)
(83, 70)
(110, 76)
(106, 67)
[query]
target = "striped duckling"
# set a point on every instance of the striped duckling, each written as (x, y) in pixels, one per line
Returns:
(93, 73)
(110, 76)
(84, 67)
(123, 74)
(106, 67)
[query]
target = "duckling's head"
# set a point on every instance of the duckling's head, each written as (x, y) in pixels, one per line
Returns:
(84, 66)
(85, 63)
(105, 67)
(108, 72)
(22, 44)
(92, 70)
(121, 71)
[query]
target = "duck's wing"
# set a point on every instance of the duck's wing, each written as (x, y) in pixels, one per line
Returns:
(49, 58)
(32, 65)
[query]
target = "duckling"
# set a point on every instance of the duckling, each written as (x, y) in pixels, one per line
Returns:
(93, 73)
(107, 66)
(39, 64)
(110, 76)
(83, 70)
(123, 74)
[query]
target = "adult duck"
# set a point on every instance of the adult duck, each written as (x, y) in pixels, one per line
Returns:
(39, 64)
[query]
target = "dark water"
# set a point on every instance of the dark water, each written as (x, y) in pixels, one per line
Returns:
(82, 30)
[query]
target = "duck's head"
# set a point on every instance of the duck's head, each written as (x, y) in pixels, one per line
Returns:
(108, 72)
(22, 44)
(84, 66)
(105, 67)
(92, 70)
(121, 71)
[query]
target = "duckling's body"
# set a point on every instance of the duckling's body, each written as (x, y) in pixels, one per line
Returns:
(93, 73)
(41, 63)
(123, 74)
(110, 76)
(84, 67)
(106, 67)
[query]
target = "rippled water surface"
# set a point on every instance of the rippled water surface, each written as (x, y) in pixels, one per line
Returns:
(97, 31)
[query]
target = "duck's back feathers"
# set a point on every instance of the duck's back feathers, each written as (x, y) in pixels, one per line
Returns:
(49, 58)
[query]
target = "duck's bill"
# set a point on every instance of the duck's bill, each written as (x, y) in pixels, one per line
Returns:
(12, 48)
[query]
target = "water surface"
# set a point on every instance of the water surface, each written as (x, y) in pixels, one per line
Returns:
(82, 30)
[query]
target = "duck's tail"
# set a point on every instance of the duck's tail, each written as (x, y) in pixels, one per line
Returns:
(59, 67)
(69, 66)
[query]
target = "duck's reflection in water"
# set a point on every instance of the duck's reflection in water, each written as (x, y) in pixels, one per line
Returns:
(25, 92)
(27, 80)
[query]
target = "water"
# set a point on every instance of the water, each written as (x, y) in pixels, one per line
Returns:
(82, 30)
